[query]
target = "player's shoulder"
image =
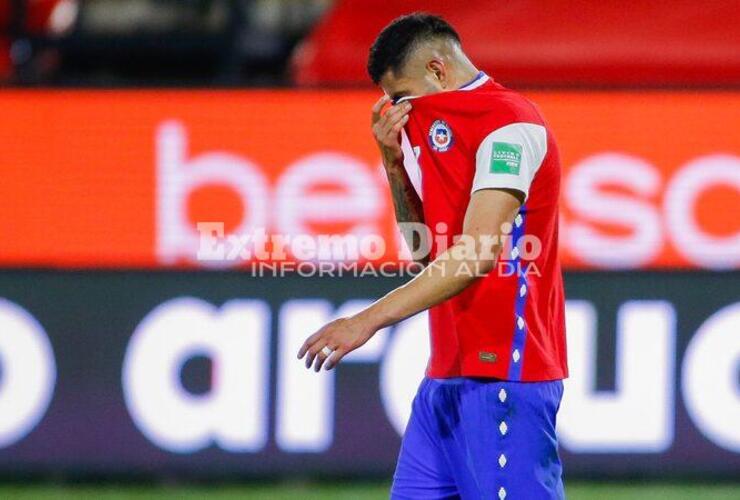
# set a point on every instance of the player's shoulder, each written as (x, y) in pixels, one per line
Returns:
(502, 106)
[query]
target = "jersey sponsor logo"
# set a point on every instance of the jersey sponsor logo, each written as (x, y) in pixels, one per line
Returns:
(440, 136)
(506, 158)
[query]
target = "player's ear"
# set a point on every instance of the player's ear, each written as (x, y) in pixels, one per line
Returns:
(437, 68)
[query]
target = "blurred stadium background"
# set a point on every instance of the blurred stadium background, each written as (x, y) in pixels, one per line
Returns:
(129, 368)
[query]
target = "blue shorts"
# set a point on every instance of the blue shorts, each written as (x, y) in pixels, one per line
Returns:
(477, 438)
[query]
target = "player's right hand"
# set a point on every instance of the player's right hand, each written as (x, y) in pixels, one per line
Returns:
(387, 128)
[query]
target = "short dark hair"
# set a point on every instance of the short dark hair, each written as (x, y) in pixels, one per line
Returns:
(394, 44)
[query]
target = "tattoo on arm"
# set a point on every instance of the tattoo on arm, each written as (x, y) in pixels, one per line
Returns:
(408, 207)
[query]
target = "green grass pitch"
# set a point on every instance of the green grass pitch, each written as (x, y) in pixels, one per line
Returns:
(354, 491)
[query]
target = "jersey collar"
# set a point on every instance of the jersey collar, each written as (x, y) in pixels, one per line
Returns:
(476, 82)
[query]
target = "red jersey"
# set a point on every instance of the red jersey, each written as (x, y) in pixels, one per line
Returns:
(510, 324)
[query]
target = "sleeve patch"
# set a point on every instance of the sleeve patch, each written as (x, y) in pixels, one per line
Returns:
(506, 158)
(509, 157)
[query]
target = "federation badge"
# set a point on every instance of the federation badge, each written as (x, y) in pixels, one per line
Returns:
(440, 136)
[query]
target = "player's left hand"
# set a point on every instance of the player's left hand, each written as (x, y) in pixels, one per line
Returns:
(341, 336)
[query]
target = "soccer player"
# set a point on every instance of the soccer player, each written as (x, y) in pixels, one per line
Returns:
(477, 164)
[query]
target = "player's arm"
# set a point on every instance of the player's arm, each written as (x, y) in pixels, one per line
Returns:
(386, 130)
(507, 160)
(449, 274)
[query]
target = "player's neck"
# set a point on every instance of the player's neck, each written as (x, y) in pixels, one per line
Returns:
(466, 73)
